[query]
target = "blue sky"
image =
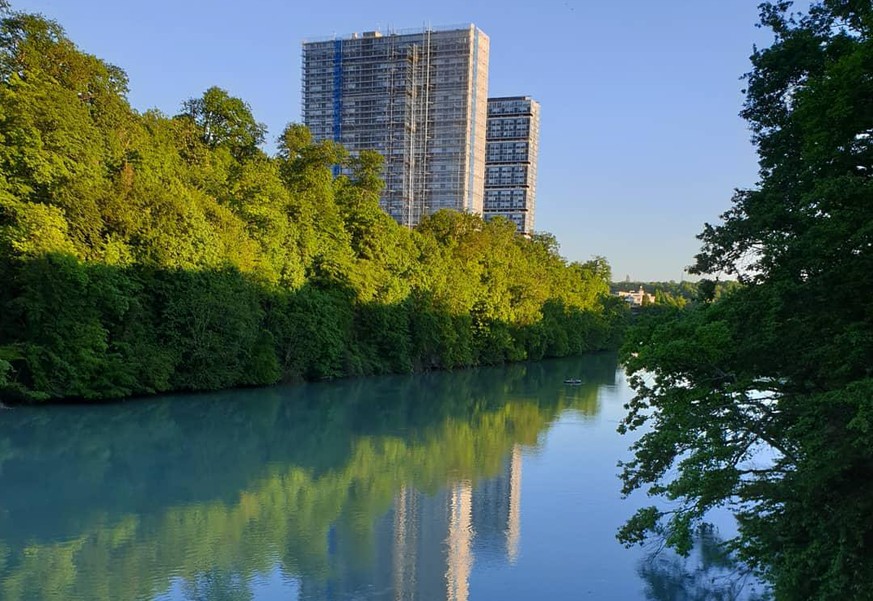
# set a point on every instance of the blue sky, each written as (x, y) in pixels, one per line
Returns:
(640, 139)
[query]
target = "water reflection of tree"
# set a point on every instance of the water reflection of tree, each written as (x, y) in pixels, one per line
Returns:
(217, 585)
(215, 489)
(709, 573)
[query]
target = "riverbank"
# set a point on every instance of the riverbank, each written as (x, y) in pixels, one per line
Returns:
(129, 332)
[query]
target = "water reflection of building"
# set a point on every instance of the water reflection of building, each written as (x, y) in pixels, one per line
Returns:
(496, 513)
(424, 548)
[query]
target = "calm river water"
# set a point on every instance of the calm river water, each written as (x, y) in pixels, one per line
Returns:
(494, 483)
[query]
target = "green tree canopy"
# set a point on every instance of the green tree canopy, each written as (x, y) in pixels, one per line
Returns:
(224, 120)
(762, 400)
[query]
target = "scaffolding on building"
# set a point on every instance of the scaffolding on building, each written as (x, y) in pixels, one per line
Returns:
(414, 97)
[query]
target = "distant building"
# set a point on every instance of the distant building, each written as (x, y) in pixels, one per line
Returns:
(637, 298)
(512, 145)
(419, 98)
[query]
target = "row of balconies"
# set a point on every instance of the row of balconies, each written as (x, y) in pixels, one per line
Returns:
(506, 181)
(506, 194)
(503, 206)
(503, 121)
(493, 125)
(519, 156)
(506, 169)
(507, 135)
(516, 110)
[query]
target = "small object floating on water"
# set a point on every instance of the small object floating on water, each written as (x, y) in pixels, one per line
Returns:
(573, 382)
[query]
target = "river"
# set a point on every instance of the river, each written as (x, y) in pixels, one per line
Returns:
(496, 483)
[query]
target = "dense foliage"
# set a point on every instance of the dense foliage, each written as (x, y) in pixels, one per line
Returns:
(763, 400)
(141, 253)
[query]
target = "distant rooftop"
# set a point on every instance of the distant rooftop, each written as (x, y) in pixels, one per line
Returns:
(495, 98)
(378, 33)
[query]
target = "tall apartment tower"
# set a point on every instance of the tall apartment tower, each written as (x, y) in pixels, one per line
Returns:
(419, 98)
(512, 146)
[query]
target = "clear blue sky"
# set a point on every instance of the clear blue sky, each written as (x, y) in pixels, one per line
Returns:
(640, 139)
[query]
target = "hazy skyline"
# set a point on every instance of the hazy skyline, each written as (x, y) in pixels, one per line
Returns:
(640, 141)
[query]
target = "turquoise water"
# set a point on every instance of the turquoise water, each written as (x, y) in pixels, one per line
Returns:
(494, 483)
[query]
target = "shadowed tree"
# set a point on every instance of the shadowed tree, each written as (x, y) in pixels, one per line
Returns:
(762, 398)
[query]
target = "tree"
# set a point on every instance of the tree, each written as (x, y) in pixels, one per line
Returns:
(225, 121)
(762, 400)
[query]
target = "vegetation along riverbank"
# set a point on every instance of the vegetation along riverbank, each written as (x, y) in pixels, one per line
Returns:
(142, 253)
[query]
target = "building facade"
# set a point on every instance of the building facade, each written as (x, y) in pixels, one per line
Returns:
(419, 98)
(512, 145)
(637, 298)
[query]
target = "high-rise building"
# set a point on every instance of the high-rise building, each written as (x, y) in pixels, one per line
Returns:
(512, 143)
(418, 98)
